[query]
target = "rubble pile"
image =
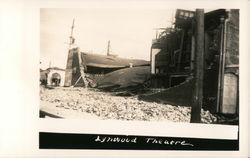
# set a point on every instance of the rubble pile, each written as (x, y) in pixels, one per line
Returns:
(107, 106)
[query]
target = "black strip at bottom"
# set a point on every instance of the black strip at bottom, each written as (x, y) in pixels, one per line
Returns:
(131, 142)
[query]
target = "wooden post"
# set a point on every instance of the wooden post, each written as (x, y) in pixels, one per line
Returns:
(199, 68)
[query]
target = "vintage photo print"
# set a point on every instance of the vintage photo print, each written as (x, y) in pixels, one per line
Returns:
(111, 76)
(171, 65)
(142, 78)
(140, 66)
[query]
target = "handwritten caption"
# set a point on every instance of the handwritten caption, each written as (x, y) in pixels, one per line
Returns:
(148, 140)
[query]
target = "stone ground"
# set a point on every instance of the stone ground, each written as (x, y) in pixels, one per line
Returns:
(94, 104)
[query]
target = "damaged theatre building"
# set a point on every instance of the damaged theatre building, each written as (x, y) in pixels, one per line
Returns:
(107, 72)
(193, 71)
(173, 60)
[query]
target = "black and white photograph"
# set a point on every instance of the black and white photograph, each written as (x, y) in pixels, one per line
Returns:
(171, 65)
(117, 78)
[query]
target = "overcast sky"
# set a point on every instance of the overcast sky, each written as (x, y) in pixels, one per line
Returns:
(130, 31)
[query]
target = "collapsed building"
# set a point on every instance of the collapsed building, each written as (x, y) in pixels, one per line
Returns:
(96, 66)
(172, 61)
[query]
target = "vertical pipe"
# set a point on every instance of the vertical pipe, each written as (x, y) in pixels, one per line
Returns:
(223, 61)
(199, 68)
(221, 65)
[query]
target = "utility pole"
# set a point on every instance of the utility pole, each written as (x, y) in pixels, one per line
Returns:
(108, 48)
(199, 67)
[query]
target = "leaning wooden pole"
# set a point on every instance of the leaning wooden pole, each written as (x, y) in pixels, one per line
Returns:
(199, 68)
(81, 68)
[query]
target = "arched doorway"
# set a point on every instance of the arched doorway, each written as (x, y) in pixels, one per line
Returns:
(55, 79)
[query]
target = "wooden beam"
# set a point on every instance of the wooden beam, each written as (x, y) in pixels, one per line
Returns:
(199, 68)
(81, 67)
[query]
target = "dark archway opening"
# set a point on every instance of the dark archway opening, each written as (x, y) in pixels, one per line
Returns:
(55, 79)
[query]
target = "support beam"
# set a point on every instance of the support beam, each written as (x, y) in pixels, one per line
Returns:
(199, 68)
(81, 67)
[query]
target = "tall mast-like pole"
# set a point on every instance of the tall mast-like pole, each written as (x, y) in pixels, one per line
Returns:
(71, 38)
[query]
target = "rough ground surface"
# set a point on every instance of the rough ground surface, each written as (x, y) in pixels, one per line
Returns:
(91, 103)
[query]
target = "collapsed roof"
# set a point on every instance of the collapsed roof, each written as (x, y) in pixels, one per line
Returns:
(104, 61)
(128, 78)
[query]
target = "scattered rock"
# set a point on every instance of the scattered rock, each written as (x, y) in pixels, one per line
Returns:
(108, 106)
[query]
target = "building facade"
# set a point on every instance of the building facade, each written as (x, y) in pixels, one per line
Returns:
(173, 57)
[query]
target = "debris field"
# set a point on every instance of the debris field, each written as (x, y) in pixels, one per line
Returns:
(105, 105)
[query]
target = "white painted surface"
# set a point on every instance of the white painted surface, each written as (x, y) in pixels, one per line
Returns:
(230, 94)
(154, 53)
